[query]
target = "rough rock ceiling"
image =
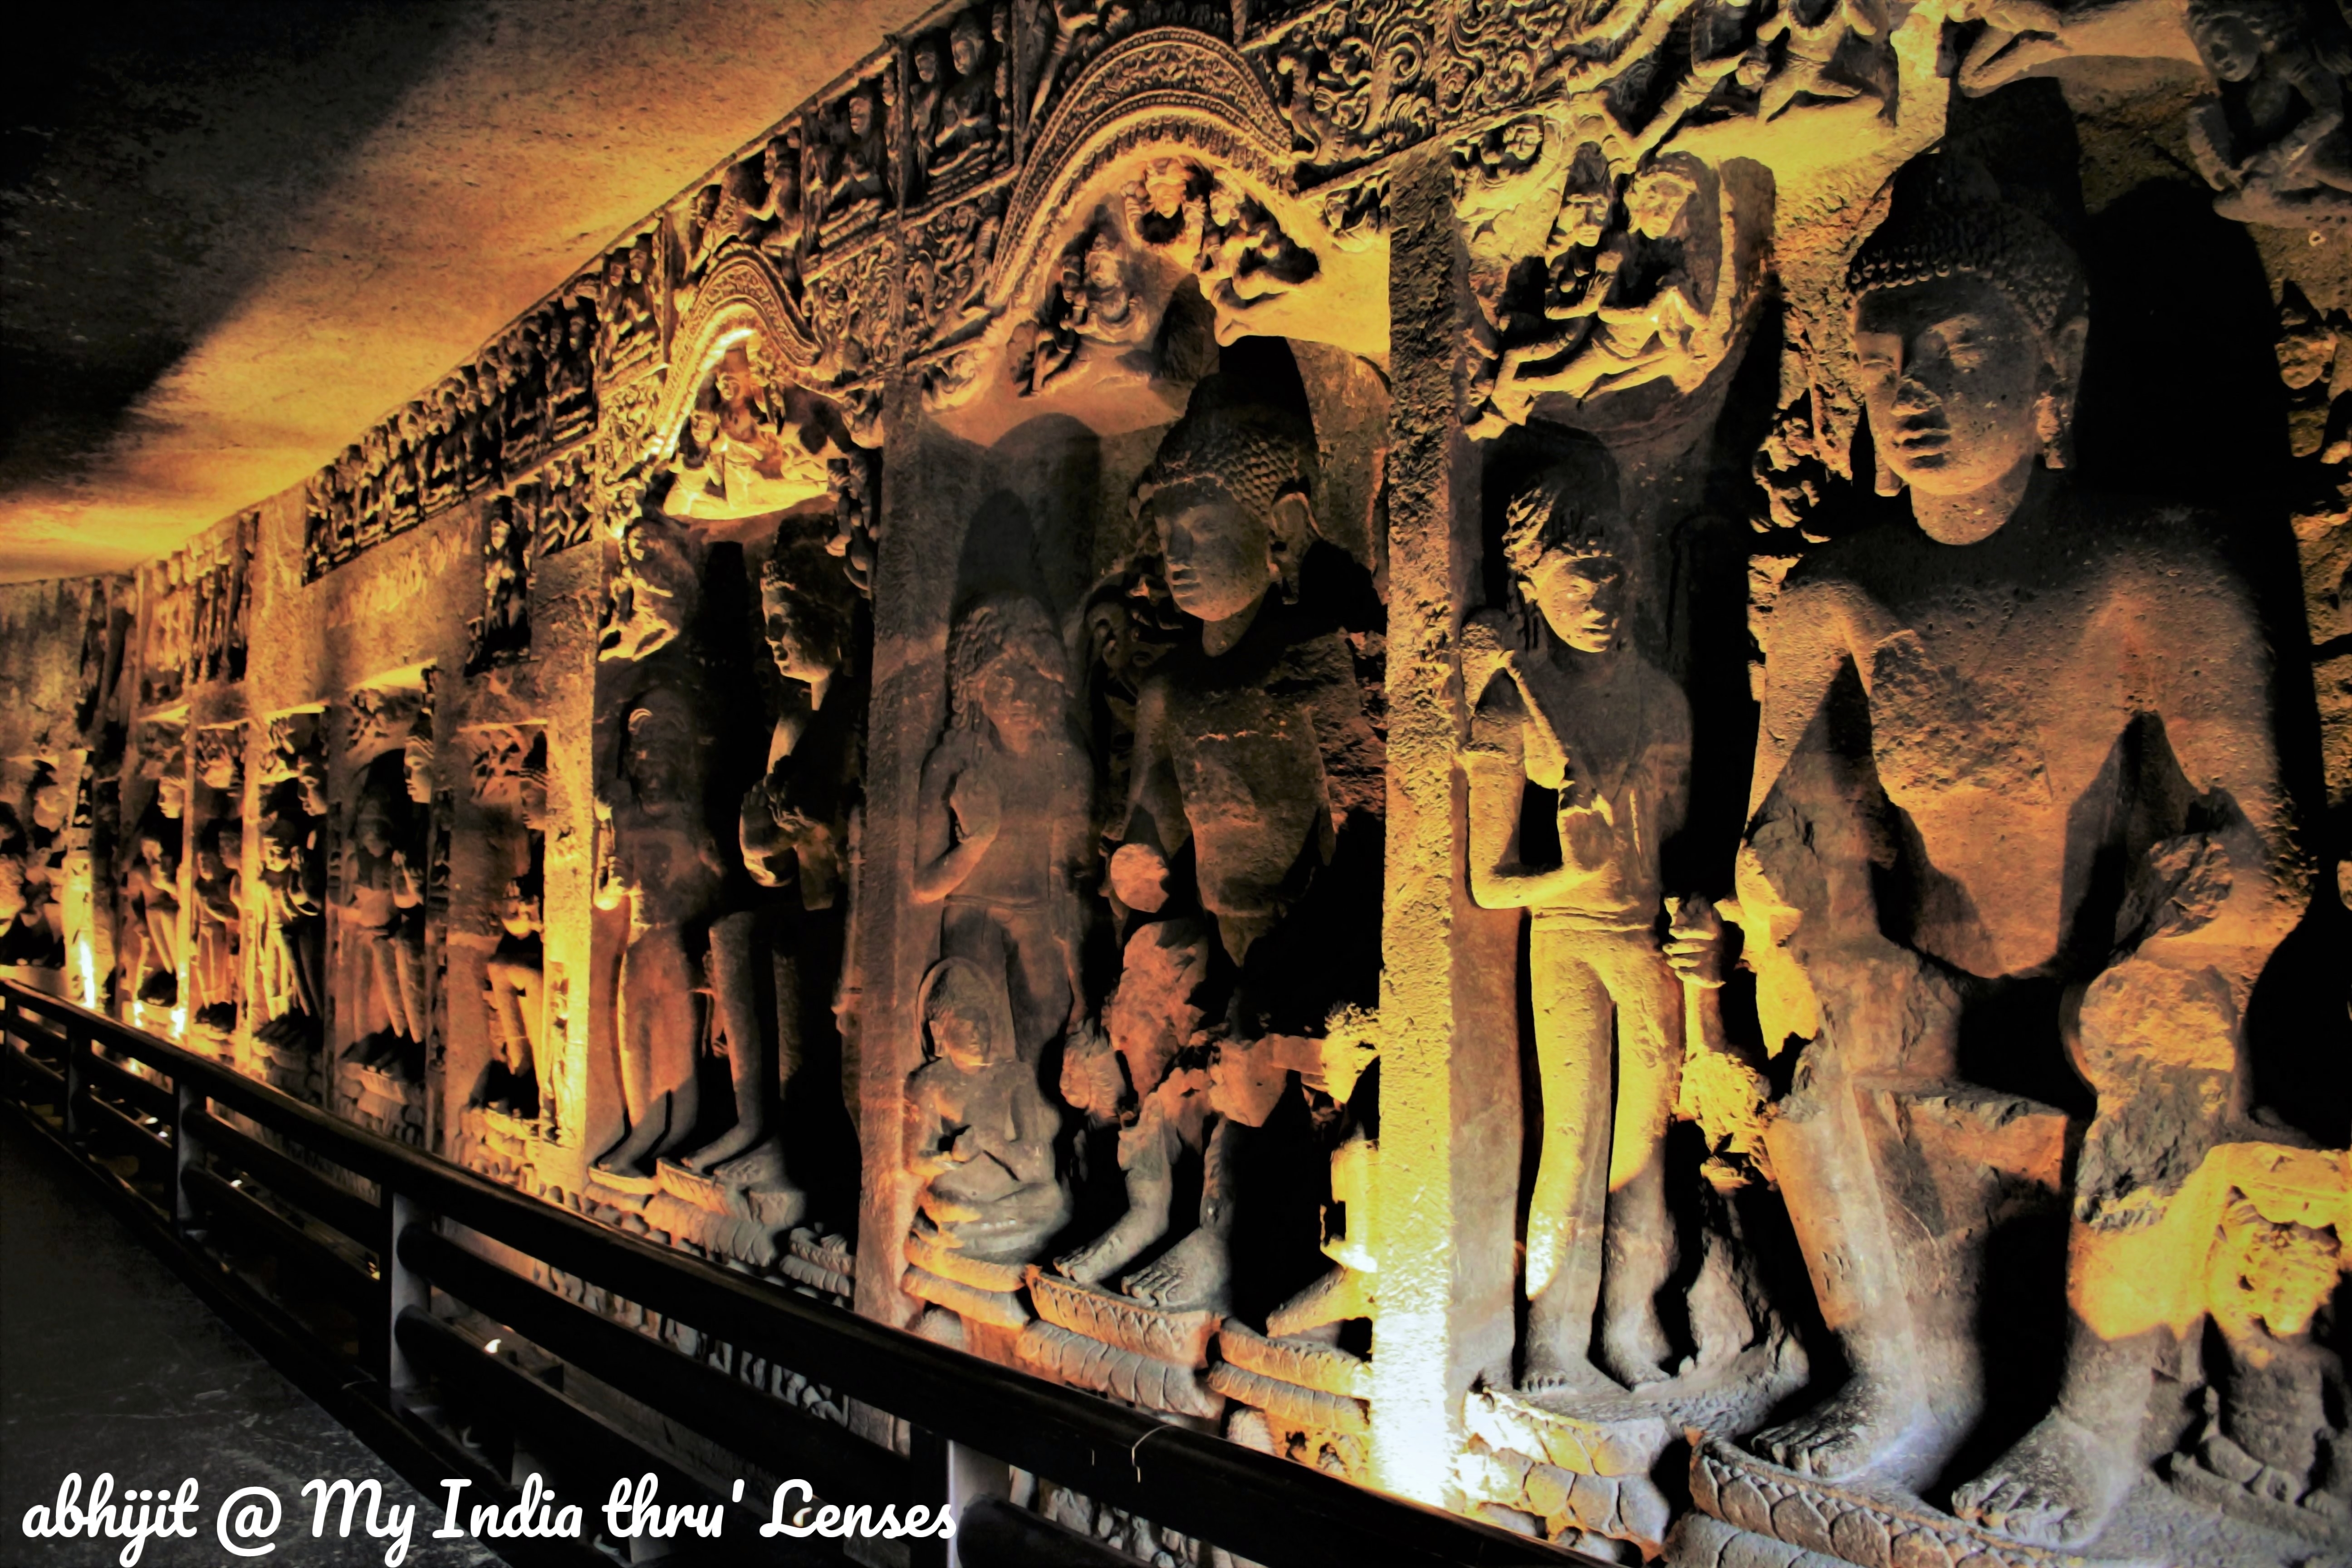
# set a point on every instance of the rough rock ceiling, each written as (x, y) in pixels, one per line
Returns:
(236, 233)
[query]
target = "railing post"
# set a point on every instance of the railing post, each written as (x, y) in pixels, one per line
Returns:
(187, 1153)
(403, 1288)
(927, 1467)
(972, 1477)
(78, 1076)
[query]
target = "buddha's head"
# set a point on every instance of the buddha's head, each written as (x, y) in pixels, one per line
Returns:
(806, 608)
(1007, 672)
(969, 1020)
(1969, 314)
(966, 43)
(1230, 498)
(660, 738)
(1563, 538)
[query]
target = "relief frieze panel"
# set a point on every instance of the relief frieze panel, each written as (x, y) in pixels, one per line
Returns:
(1502, 786)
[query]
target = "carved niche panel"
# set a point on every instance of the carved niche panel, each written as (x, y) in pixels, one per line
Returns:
(384, 934)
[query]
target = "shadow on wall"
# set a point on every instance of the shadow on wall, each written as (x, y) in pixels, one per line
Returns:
(192, 138)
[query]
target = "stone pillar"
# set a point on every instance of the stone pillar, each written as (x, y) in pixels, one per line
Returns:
(1446, 1195)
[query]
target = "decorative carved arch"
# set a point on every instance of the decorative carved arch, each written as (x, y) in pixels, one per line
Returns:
(1164, 90)
(741, 295)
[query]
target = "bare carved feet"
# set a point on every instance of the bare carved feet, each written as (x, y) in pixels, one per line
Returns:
(1633, 1346)
(2056, 1488)
(1195, 1275)
(1572, 1376)
(1845, 1434)
(746, 1131)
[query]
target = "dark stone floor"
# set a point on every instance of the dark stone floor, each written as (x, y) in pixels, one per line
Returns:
(107, 1362)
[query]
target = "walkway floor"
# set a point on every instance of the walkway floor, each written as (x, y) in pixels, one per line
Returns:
(107, 1362)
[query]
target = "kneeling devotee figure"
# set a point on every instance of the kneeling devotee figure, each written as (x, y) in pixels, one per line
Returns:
(2069, 735)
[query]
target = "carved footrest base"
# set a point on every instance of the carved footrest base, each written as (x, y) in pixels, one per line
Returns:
(1853, 1523)
(724, 1218)
(1122, 1373)
(1091, 1313)
(1566, 1504)
(999, 1307)
(820, 1261)
(926, 1252)
(1289, 1404)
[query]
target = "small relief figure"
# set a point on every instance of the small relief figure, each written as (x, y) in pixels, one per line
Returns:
(220, 916)
(443, 460)
(754, 443)
(571, 372)
(984, 1133)
(776, 223)
(293, 881)
(968, 125)
(656, 586)
(2044, 675)
(1524, 344)
(659, 863)
(1245, 257)
(857, 520)
(855, 162)
(1003, 814)
(1092, 312)
(503, 633)
(1832, 50)
(152, 901)
(1570, 706)
(2274, 143)
(387, 909)
(793, 832)
(514, 977)
(1146, 1070)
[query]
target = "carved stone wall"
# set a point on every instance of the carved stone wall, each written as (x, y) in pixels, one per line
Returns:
(1597, 764)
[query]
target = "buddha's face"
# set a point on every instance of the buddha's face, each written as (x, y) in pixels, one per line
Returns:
(1655, 202)
(927, 65)
(963, 47)
(1220, 556)
(1583, 219)
(374, 837)
(2233, 52)
(788, 642)
(1016, 696)
(1950, 372)
(1106, 279)
(961, 1038)
(652, 762)
(861, 115)
(1581, 595)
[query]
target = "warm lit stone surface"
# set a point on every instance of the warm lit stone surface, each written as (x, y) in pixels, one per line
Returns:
(248, 238)
(1559, 767)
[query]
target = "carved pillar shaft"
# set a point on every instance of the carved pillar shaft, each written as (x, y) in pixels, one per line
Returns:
(1449, 1141)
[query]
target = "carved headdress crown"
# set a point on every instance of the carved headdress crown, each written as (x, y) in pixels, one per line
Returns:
(1950, 215)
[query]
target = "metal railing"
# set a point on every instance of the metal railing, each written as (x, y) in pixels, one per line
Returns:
(344, 1300)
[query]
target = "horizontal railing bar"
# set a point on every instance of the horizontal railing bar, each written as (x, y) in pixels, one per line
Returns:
(143, 1143)
(39, 1072)
(1257, 1505)
(296, 1184)
(993, 1534)
(842, 1467)
(575, 1439)
(24, 1028)
(338, 1275)
(152, 1099)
